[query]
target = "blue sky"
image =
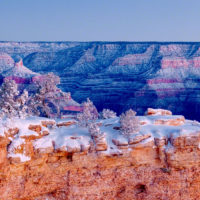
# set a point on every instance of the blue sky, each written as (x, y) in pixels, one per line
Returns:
(100, 20)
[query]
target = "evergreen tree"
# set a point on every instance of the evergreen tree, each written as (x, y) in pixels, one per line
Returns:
(107, 113)
(129, 123)
(12, 104)
(41, 102)
(89, 114)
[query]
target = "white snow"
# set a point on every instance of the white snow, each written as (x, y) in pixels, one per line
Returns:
(21, 71)
(74, 138)
(22, 157)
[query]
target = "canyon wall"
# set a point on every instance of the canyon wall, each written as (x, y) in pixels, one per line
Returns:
(43, 159)
(118, 75)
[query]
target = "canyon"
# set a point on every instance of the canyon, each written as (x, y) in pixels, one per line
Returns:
(56, 159)
(118, 75)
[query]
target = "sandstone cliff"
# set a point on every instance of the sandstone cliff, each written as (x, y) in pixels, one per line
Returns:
(44, 159)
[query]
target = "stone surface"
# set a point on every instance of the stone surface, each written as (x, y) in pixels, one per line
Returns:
(65, 123)
(151, 111)
(138, 138)
(149, 165)
(171, 122)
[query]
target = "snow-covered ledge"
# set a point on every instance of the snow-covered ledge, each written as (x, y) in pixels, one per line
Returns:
(60, 152)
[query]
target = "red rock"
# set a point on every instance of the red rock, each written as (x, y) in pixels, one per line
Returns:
(183, 141)
(48, 123)
(138, 138)
(151, 111)
(159, 168)
(170, 122)
(44, 133)
(143, 123)
(36, 128)
(66, 123)
(100, 142)
(12, 132)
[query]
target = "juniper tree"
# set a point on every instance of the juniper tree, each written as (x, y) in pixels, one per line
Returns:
(41, 101)
(22, 101)
(94, 129)
(12, 103)
(8, 94)
(129, 123)
(107, 113)
(89, 113)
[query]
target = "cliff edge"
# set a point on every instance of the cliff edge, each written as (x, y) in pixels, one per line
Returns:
(44, 159)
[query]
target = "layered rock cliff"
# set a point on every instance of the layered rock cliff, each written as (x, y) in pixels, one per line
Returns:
(57, 160)
(118, 75)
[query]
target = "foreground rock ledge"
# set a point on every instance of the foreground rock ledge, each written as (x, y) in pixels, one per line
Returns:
(159, 163)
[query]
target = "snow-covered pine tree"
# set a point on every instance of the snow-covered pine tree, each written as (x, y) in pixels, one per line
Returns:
(89, 114)
(22, 102)
(45, 95)
(94, 129)
(107, 113)
(129, 123)
(8, 95)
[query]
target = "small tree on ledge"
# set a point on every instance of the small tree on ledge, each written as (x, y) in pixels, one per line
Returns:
(40, 103)
(129, 123)
(89, 114)
(107, 113)
(12, 104)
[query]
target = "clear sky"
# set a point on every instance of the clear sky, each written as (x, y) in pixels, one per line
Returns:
(100, 20)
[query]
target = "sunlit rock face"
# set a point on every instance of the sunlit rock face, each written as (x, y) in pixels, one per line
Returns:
(119, 75)
(46, 159)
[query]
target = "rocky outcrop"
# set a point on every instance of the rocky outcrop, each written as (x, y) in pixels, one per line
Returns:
(159, 162)
(118, 75)
(151, 111)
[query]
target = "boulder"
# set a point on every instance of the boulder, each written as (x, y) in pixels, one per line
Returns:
(134, 139)
(48, 124)
(36, 128)
(69, 123)
(171, 122)
(100, 142)
(151, 111)
(120, 141)
(183, 141)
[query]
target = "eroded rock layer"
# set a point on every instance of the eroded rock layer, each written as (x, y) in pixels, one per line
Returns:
(118, 75)
(44, 159)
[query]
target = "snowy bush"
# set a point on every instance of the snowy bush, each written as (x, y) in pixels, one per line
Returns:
(129, 123)
(94, 129)
(12, 104)
(41, 103)
(22, 104)
(107, 113)
(89, 114)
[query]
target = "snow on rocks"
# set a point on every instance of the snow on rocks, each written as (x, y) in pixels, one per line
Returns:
(120, 140)
(151, 111)
(34, 136)
(134, 139)
(101, 142)
(171, 122)
(66, 123)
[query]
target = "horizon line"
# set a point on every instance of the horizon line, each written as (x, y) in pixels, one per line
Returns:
(93, 41)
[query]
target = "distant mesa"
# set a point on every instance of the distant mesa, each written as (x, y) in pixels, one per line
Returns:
(19, 73)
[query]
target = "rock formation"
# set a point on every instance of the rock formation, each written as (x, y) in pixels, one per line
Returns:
(118, 75)
(57, 160)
